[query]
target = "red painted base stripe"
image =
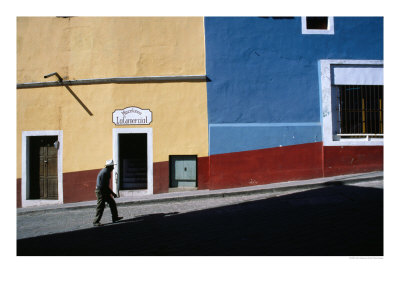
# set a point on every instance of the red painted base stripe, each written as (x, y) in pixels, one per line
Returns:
(354, 159)
(160, 177)
(246, 168)
(203, 172)
(19, 201)
(266, 166)
(80, 186)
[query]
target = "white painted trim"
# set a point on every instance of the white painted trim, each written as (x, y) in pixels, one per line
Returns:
(357, 75)
(149, 132)
(329, 139)
(330, 30)
(25, 164)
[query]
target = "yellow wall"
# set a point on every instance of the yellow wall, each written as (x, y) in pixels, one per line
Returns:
(85, 48)
(95, 47)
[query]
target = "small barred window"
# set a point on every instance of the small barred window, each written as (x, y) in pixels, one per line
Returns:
(360, 111)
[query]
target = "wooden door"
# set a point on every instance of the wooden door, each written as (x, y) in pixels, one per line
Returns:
(48, 173)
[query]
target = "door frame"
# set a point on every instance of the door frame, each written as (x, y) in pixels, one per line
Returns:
(149, 133)
(25, 168)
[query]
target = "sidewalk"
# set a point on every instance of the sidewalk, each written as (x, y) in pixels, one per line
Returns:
(342, 215)
(201, 194)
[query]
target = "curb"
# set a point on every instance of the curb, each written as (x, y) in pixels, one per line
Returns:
(234, 192)
(255, 191)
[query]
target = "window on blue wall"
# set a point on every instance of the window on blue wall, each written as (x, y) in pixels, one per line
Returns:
(317, 25)
(359, 111)
(352, 102)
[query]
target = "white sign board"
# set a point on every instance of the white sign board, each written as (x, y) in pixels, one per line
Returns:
(132, 116)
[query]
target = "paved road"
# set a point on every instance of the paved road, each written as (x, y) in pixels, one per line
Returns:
(335, 220)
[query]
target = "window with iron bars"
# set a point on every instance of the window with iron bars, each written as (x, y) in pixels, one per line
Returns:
(360, 111)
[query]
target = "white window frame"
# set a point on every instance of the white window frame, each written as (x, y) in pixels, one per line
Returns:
(327, 106)
(330, 30)
(25, 168)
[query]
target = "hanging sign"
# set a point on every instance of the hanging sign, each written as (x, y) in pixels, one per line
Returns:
(132, 116)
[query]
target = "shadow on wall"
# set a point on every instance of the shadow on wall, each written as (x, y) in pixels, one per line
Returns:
(332, 221)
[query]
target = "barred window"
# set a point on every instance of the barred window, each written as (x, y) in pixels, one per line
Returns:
(360, 111)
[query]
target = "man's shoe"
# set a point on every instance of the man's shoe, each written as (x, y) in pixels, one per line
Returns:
(117, 219)
(97, 224)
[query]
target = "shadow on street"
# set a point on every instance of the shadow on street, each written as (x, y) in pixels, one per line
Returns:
(332, 221)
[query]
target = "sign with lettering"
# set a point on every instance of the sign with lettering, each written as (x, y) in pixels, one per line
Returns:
(132, 116)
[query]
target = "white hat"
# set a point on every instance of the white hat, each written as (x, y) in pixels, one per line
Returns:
(109, 163)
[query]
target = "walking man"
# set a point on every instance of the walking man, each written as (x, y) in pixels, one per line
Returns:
(103, 193)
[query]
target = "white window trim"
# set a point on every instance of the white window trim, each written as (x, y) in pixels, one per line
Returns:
(25, 172)
(330, 30)
(149, 132)
(326, 105)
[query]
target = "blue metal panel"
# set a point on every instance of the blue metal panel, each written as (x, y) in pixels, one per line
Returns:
(183, 170)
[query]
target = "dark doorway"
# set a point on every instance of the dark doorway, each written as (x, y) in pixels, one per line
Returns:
(43, 168)
(133, 161)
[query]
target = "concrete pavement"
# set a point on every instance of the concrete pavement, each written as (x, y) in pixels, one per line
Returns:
(51, 219)
(335, 219)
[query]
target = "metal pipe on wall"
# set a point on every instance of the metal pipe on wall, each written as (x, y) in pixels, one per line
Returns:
(118, 80)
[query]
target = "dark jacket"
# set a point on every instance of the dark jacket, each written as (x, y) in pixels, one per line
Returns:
(103, 181)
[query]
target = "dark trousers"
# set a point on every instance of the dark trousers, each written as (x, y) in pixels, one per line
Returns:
(102, 198)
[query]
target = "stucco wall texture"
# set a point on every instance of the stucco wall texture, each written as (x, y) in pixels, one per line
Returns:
(264, 71)
(102, 47)
(97, 47)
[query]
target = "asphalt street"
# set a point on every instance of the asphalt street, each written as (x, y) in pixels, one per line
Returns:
(336, 220)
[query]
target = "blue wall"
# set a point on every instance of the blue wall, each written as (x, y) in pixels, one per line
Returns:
(265, 71)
